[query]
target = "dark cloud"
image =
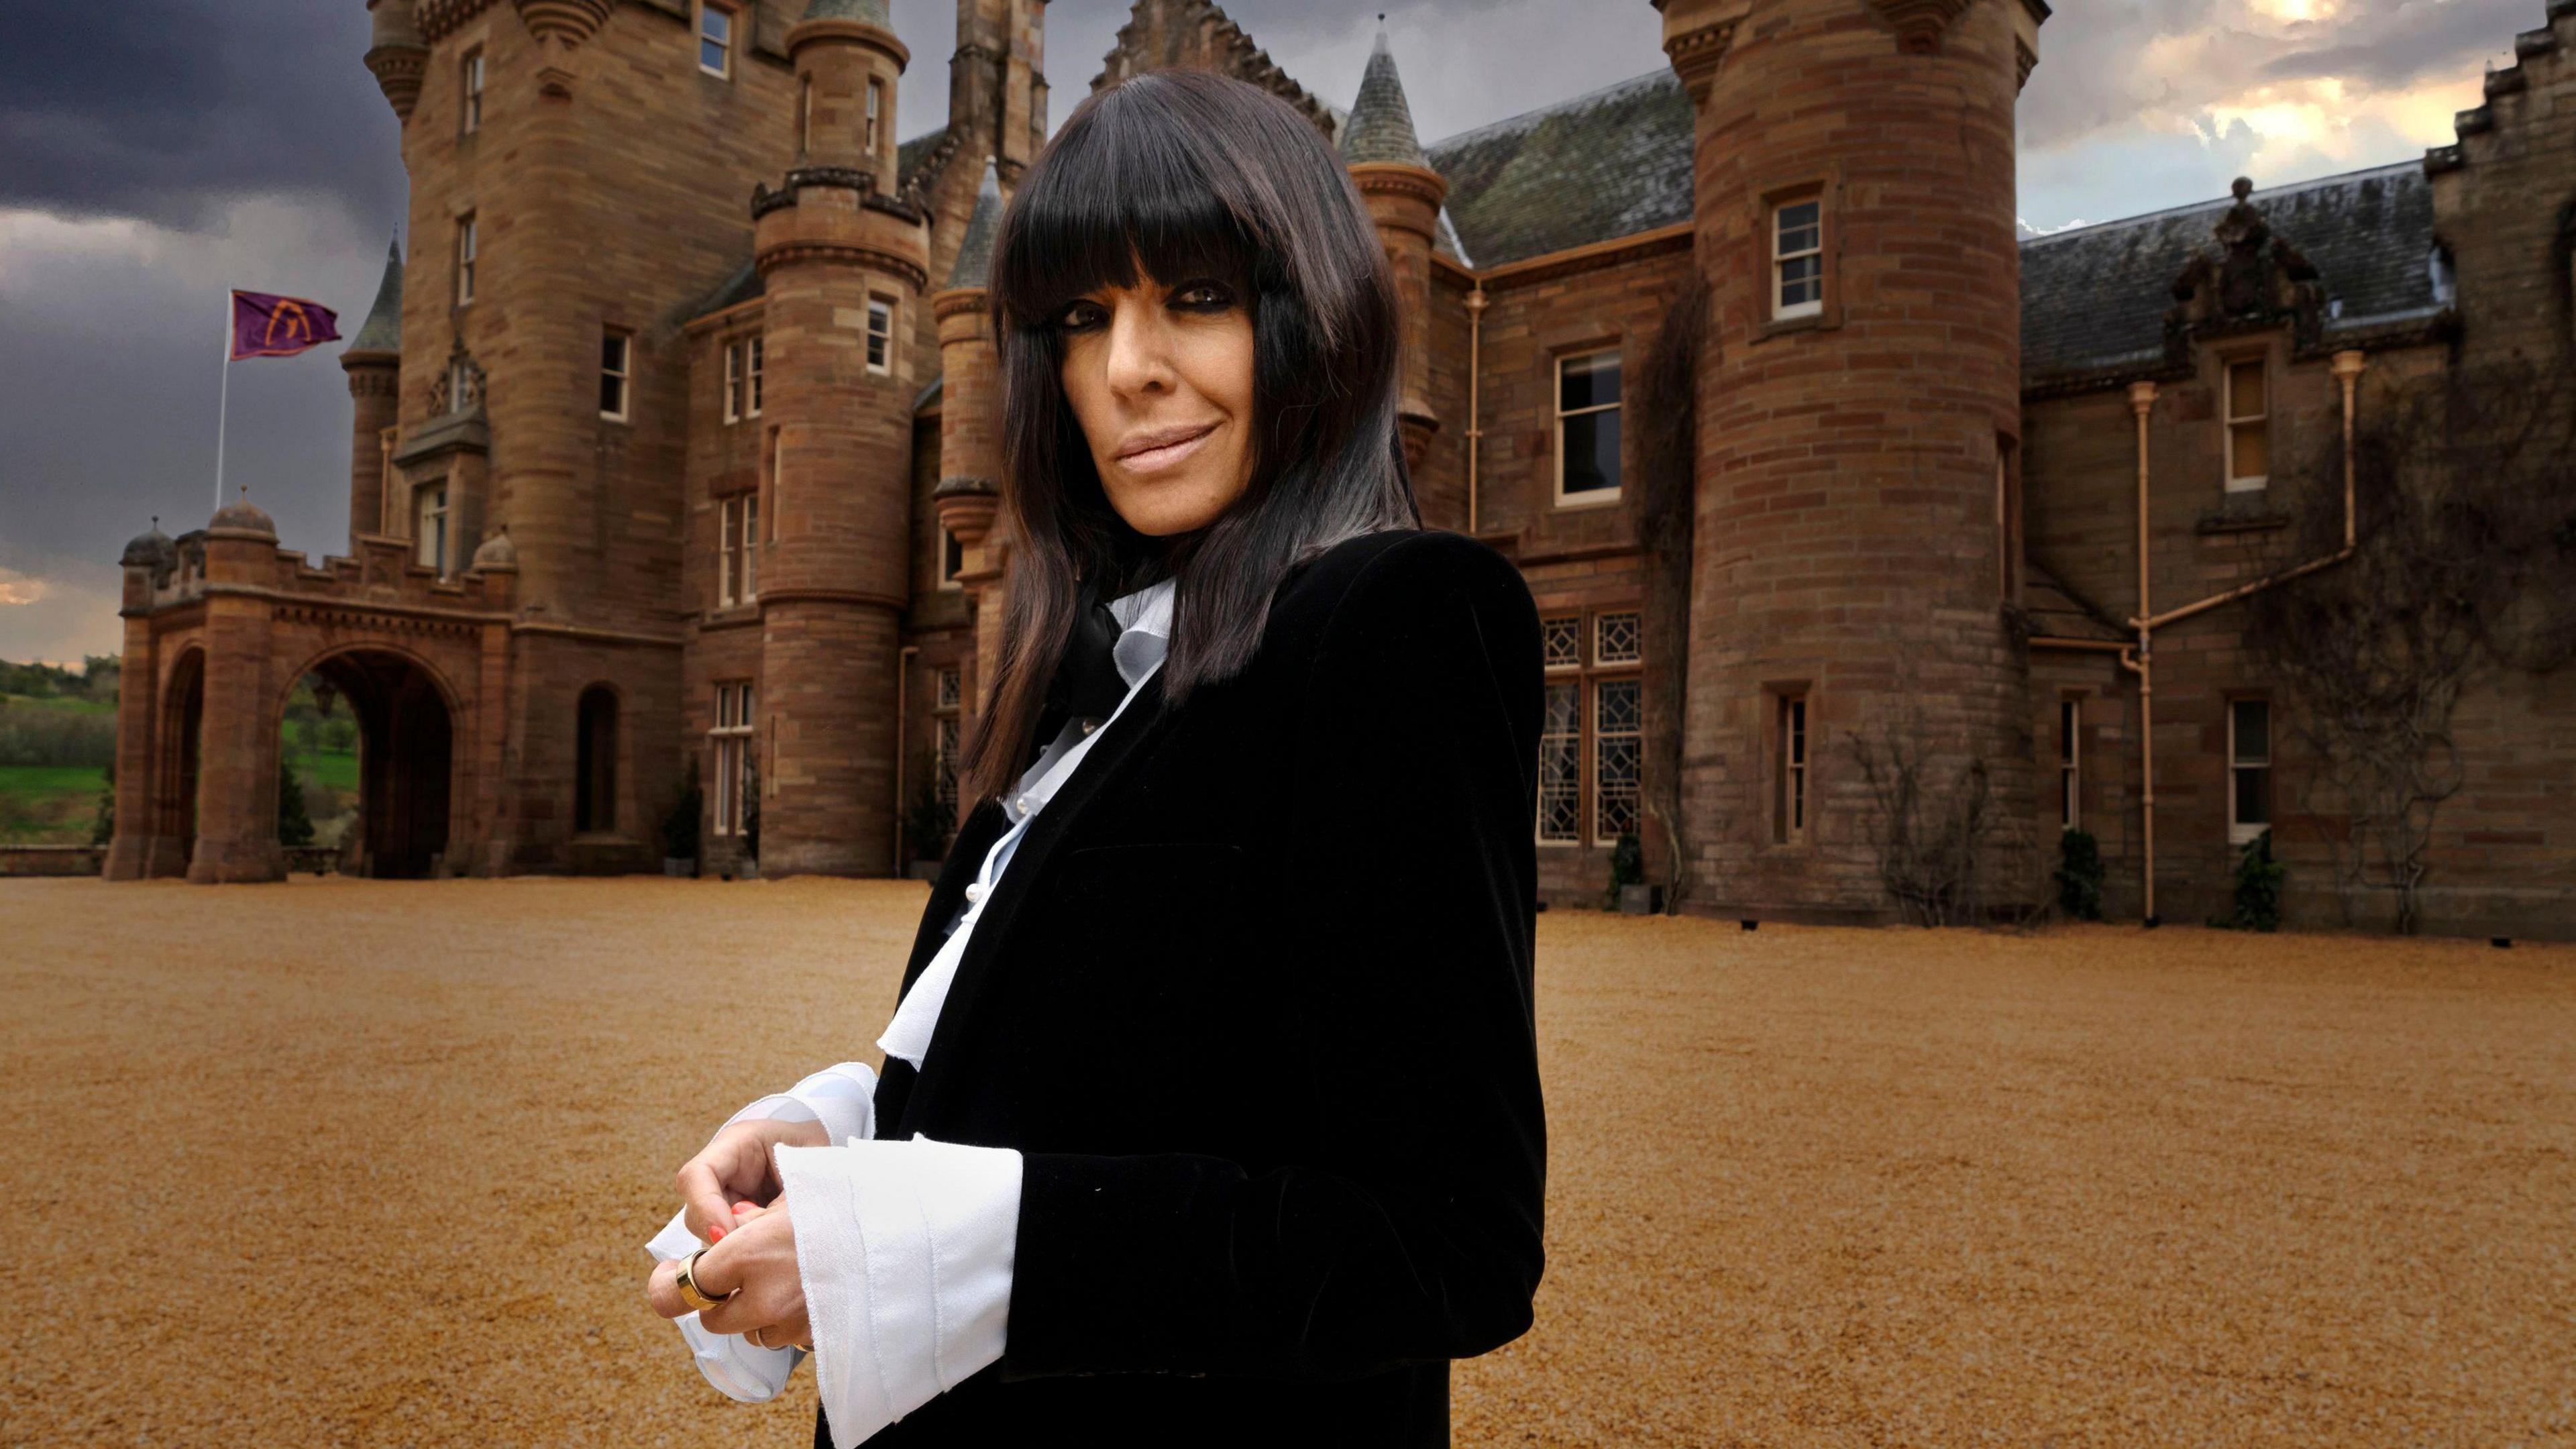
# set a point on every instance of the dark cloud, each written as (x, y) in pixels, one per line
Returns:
(165, 109)
(2399, 45)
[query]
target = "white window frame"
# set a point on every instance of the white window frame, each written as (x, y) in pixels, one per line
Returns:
(876, 104)
(460, 385)
(466, 258)
(1598, 746)
(1792, 806)
(730, 736)
(2262, 366)
(755, 378)
(733, 382)
(622, 374)
(725, 44)
(429, 513)
(737, 537)
(880, 353)
(2070, 762)
(1556, 401)
(470, 74)
(2239, 832)
(1782, 255)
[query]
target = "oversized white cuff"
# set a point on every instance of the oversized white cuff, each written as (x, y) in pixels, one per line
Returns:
(842, 1098)
(905, 1249)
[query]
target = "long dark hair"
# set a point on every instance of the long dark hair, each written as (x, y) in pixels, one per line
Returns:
(1194, 174)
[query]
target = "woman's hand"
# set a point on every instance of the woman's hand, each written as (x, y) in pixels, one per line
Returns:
(735, 1166)
(756, 1265)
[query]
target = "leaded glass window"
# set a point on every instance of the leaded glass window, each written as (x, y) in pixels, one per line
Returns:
(1616, 716)
(1563, 638)
(1614, 638)
(1560, 763)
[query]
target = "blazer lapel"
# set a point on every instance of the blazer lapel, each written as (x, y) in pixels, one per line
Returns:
(1121, 740)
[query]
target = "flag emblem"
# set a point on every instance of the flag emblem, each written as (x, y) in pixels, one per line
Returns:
(268, 326)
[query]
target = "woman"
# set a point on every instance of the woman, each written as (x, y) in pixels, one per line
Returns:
(1229, 1130)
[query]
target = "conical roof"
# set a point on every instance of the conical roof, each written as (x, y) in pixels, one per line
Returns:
(1381, 124)
(383, 329)
(975, 254)
(866, 12)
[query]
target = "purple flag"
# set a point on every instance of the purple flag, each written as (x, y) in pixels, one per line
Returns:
(266, 326)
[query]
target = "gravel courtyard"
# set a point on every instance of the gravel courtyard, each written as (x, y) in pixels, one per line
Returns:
(350, 1162)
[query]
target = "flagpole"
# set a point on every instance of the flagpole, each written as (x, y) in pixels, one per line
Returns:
(224, 407)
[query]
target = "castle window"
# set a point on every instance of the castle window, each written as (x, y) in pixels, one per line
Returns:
(471, 74)
(614, 350)
(460, 385)
(1604, 736)
(756, 350)
(737, 558)
(429, 527)
(1560, 764)
(804, 114)
(876, 104)
(2008, 518)
(2070, 763)
(715, 39)
(594, 804)
(1798, 259)
(1789, 767)
(945, 701)
(880, 334)
(465, 259)
(952, 559)
(2249, 433)
(1617, 713)
(731, 738)
(2249, 769)
(733, 383)
(1587, 428)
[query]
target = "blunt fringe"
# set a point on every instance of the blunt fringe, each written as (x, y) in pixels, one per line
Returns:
(1191, 173)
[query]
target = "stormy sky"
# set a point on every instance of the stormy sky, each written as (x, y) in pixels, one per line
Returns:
(155, 152)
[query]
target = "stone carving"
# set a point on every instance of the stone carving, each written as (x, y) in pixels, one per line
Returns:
(1920, 24)
(2253, 279)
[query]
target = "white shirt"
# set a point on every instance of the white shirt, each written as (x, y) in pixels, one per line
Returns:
(905, 1246)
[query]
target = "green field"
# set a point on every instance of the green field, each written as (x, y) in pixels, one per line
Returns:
(49, 804)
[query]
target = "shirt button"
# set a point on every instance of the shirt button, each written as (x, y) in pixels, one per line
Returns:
(1089, 725)
(1026, 805)
(974, 891)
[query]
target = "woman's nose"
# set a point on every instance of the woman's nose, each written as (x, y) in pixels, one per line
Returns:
(1139, 348)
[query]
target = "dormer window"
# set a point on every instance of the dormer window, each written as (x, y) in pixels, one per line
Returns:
(2249, 426)
(715, 39)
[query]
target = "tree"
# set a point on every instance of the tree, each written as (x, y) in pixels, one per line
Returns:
(294, 822)
(2464, 565)
(103, 830)
(1667, 497)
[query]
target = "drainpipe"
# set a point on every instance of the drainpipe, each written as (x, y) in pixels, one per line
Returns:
(1475, 356)
(2348, 366)
(902, 676)
(2142, 401)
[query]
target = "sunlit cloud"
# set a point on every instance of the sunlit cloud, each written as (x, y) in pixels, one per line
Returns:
(17, 588)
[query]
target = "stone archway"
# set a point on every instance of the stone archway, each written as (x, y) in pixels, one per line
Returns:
(172, 841)
(406, 762)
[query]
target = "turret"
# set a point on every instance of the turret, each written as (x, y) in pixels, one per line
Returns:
(843, 264)
(397, 54)
(373, 361)
(970, 420)
(1403, 195)
(1859, 411)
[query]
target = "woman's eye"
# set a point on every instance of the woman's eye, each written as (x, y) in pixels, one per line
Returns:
(1076, 316)
(1202, 295)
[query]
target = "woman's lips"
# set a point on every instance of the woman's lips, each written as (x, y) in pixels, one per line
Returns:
(1156, 460)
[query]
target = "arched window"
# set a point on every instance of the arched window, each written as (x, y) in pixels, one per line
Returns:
(595, 770)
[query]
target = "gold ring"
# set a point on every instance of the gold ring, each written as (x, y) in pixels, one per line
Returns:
(754, 1335)
(690, 1293)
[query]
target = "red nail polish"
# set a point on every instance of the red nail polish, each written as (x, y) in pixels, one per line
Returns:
(715, 1232)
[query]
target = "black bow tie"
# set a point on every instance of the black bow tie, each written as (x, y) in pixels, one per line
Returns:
(1087, 684)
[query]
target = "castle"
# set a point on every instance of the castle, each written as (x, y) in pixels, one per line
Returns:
(676, 450)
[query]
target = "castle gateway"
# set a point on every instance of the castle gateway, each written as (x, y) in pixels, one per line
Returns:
(1858, 523)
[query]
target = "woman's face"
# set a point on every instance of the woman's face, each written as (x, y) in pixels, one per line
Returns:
(1160, 377)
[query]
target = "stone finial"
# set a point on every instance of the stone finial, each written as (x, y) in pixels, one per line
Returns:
(1380, 127)
(382, 331)
(975, 253)
(496, 552)
(2243, 188)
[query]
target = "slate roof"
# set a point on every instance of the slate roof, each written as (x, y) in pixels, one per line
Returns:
(2056, 612)
(2094, 299)
(1380, 124)
(1605, 164)
(382, 331)
(975, 249)
(908, 155)
(869, 12)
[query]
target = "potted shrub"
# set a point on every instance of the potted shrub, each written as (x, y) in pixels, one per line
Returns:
(1629, 893)
(927, 822)
(2079, 875)
(680, 827)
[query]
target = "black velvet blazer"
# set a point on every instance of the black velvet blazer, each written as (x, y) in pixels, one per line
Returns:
(1254, 1002)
